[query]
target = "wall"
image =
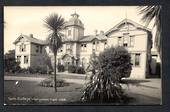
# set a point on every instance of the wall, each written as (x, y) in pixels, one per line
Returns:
(22, 54)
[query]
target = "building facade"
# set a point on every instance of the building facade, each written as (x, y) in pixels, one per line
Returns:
(29, 51)
(77, 47)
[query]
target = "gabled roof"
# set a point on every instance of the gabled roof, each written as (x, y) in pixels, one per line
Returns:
(30, 39)
(138, 26)
(90, 38)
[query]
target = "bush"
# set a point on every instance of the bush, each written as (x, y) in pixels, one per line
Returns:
(107, 70)
(80, 70)
(31, 70)
(49, 82)
(41, 70)
(11, 65)
(23, 70)
(72, 69)
(116, 62)
(60, 68)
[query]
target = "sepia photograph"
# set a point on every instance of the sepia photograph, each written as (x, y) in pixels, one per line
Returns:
(82, 55)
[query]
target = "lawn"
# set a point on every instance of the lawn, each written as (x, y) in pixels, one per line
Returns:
(29, 92)
(143, 92)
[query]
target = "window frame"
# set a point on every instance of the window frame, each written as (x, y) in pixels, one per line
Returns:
(18, 59)
(22, 47)
(26, 61)
(137, 54)
(130, 39)
(133, 59)
(37, 49)
(69, 32)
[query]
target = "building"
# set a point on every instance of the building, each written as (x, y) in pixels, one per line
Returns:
(29, 51)
(77, 47)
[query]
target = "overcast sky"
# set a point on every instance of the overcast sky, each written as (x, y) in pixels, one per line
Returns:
(29, 20)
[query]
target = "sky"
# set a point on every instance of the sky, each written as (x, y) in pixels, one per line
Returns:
(30, 19)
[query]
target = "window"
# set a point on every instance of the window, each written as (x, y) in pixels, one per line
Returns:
(135, 59)
(18, 58)
(25, 59)
(96, 45)
(41, 49)
(68, 48)
(83, 47)
(60, 50)
(132, 38)
(22, 48)
(69, 32)
(105, 45)
(125, 40)
(119, 41)
(37, 48)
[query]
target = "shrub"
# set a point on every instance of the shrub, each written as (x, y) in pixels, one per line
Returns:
(107, 70)
(41, 70)
(80, 70)
(49, 82)
(116, 62)
(23, 70)
(60, 68)
(11, 65)
(31, 70)
(72, 69)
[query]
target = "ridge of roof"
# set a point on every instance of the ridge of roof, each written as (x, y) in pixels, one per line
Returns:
(89, 38)
(128, 21)
(31, 39)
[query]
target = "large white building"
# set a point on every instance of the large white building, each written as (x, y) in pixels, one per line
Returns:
(77, 47)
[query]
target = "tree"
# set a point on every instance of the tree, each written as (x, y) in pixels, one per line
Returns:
(10, 63)
(107, 70)
(153, 13)
(55, 24)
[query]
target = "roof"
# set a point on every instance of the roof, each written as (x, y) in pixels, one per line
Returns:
(31, 39)
(74, 20)
(116, 27)
(89, 38)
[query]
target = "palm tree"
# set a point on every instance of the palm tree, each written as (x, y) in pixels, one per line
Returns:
(153, 13)
(55, 24)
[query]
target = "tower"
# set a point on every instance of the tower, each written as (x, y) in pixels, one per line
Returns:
(74, 28)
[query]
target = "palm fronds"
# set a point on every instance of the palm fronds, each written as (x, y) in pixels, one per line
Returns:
(54, 22)
(153, 13)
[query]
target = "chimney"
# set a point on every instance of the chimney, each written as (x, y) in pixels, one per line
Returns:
(31, 35)
(95, 31)
(101, 32)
